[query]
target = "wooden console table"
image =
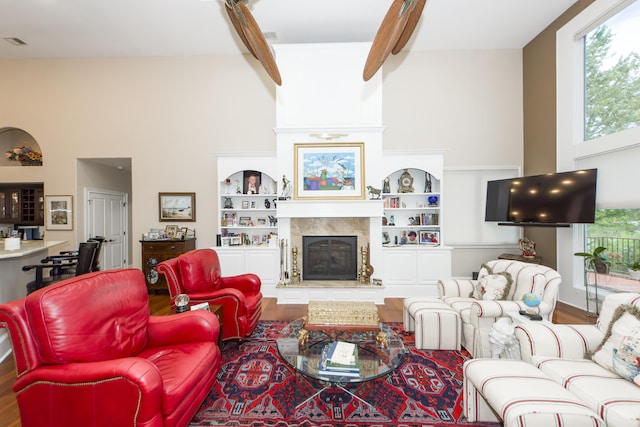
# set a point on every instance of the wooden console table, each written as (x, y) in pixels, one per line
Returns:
(517, 257)
(155, 251)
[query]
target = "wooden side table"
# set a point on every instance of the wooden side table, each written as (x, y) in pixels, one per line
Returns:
(217, 310)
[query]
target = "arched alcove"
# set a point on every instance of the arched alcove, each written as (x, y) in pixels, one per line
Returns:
(19, 148)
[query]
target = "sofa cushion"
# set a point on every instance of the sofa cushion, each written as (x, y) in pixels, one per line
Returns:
(620, 348)
(616, 400)
(90, 318)
(200, 271)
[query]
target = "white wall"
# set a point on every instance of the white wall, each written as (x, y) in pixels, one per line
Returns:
(172, 115)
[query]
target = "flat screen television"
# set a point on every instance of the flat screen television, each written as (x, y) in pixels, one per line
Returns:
(554, 199)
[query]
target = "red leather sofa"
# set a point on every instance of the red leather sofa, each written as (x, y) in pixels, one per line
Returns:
(88, 353)
(197, 274)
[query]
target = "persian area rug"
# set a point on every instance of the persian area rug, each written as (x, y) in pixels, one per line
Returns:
(255, 388)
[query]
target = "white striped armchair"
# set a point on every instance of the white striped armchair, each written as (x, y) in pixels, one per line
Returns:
(478, 315)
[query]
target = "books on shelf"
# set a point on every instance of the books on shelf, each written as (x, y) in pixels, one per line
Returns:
(340, 359)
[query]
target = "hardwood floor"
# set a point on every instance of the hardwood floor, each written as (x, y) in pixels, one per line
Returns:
(391, 311)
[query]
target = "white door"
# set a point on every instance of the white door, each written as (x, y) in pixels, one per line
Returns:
(107, 217)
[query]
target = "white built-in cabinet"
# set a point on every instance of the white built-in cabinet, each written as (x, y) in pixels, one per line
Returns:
(247, 220)
(414, 255)
(249, 229)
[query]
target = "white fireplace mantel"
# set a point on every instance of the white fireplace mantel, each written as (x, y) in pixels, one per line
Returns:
(329, 208)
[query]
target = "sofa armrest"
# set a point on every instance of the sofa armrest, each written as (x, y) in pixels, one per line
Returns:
(456, 287)
(120, 382)
(552, 340)
(182, 328)
(246, 283)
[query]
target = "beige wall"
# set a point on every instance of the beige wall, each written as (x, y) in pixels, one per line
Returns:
(172, 115)
(539, 81)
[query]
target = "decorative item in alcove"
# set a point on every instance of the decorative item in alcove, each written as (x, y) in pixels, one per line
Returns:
(228, 203)
(405, 182)
(528, 247)
(386, 187)
(25, 155)
(427, 183)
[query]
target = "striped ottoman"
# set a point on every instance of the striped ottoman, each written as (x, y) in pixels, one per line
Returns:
(436, 325)
(518, 394)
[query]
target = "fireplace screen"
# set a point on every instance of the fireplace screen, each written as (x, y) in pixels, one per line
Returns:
(329, 257)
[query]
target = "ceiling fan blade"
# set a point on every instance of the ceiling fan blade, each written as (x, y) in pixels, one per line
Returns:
(237, 24)
(386, 38)
(256, 40)
(414, 17)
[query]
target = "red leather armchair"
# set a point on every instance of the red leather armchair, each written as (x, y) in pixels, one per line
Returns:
(197, 274)
(88, 353)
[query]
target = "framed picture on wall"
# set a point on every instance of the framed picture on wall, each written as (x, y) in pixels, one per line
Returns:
(329, 171)
(59, 212)
(174, 207)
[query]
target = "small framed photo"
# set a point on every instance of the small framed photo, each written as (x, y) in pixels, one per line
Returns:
(245, 221)
(254, 204)
(245, 204)
(185, 232)
(261, 221)
(429, 237)
(175, 207)
(59, 212)
(251, 182)
(229, 219)
(179, 235)
(171, 231)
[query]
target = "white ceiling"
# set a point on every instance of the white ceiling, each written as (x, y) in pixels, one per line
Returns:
(108, 28)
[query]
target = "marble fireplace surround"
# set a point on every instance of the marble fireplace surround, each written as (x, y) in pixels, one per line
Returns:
(326, 218)
(358, 227)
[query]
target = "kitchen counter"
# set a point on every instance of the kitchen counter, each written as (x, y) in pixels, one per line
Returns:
(28, 247)
(13, 281)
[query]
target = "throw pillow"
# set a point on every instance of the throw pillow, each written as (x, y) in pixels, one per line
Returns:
(494, 287)
(619, 351)
(477, 292)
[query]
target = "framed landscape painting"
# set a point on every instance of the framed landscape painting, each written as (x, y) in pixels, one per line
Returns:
(176, 207)
(329, 171)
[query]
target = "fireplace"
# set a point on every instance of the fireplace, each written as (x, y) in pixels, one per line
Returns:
(329, 257)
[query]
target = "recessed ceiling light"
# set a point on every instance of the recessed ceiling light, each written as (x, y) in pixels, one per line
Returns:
(15, 41)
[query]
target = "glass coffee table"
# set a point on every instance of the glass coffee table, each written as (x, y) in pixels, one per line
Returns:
(380, 351)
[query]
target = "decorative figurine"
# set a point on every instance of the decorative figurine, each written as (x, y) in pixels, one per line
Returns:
(286, 188)
(427, 183)
(386, 188)
(267, 204)
(374, 193)
(228, 203)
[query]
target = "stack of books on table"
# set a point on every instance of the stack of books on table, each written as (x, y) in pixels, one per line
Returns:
(340, 359)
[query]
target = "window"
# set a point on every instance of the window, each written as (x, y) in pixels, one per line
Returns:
(612, 74)
(586, 138)
(618, 231)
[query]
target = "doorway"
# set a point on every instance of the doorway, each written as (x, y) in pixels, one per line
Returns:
(107, 216)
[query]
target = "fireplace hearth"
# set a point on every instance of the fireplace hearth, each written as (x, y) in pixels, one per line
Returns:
(329, 257)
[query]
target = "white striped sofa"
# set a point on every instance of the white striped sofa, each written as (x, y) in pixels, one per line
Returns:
(561, 352)
(478, 316)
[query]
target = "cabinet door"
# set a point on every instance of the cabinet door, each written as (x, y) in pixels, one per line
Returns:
(400, 267)
(433, 265)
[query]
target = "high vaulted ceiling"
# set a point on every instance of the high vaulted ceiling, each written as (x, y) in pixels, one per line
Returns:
(115, 28)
